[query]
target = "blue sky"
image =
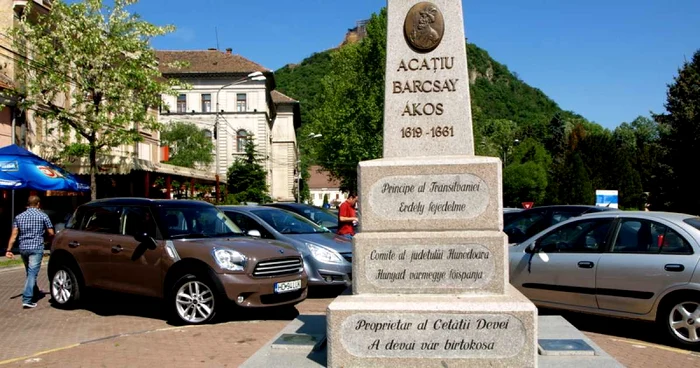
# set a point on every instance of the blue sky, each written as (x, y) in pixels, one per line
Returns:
(609, 61)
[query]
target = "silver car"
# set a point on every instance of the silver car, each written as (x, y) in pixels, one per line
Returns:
(327, 257)
(640, 265)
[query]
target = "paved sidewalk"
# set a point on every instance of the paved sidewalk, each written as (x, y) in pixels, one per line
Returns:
(633, 343)
(114, 330)
(26, 331)
(641, 354)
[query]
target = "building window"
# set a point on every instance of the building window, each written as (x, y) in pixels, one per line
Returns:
(241, 102)
(181, 103)
(207, 133)
(241, 140)
(206, 102)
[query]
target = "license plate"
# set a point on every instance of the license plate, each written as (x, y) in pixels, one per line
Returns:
(285, 287)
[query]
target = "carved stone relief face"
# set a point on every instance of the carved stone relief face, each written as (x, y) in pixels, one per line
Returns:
(424, 27)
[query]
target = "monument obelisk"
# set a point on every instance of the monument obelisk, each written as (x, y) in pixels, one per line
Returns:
(430, 269)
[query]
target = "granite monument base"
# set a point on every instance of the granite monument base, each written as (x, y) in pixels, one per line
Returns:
(431, 194)
(445, 262)
(548, 328)
(373, 330)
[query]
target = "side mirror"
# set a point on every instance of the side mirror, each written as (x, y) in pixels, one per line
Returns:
(532, 248)
(254, 233)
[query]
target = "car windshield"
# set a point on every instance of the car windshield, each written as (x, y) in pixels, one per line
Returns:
(508, 216)
(197, 222)
(322, 217)
(288, 223)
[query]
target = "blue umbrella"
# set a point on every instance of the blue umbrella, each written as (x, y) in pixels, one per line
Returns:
(21, 169)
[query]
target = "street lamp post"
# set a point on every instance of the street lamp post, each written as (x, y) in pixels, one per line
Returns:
(299, 178)
(255, 76)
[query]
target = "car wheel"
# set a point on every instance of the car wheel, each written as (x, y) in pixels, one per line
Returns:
(193, 300)
(65, 288)
(681, 319)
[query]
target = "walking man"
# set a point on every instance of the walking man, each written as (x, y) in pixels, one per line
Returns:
(30, 226)
(347, 216)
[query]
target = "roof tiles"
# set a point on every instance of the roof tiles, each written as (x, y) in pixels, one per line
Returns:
(206, 62)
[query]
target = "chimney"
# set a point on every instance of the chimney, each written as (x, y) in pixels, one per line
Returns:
(228, 51)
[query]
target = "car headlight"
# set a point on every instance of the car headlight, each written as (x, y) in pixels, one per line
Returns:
(324, 254)
(230, 260)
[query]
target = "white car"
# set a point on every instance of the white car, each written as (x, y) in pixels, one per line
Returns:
(639, 265)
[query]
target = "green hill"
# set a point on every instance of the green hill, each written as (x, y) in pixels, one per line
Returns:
(303, 81)
(497, 93)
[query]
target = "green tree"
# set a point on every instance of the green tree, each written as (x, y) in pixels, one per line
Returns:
(531, 150)
(649, 152)
(525, 182)
(100, 58)
(602, 167)
(525, 178)
(629, 184)
(351, 115)
(189, 146)
(680, 136)
(634, 144)
(495, 137)
(247, 177)
(578, 189)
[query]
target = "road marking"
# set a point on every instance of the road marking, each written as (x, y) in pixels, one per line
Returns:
(19, 267)
(38, 354)
(638, 344)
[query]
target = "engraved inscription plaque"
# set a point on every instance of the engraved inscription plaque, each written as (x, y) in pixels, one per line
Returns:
(457, 267)
(438, 335)
(424, 27)
(433, 197)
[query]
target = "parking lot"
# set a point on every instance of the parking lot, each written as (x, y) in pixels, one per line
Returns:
(114, 330)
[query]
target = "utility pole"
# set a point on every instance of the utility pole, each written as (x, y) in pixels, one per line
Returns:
(310, 136)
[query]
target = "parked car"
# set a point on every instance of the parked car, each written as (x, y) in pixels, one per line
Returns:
(187, 252)
(509, 213)
(639, 265)
(520, 226)
(58, 218)
(320, 216)
(327, 256)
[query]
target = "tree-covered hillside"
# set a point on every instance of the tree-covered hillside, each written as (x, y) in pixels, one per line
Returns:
(303, 81)
(496, 92)
(549, 156)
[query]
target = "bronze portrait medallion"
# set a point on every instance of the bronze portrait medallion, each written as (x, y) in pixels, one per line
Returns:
(424, 27)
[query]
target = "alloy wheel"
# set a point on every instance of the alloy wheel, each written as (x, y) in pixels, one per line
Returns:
(684, 321)
(61, 287)
(194, 302)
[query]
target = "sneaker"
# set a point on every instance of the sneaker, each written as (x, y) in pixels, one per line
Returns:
(28, 305)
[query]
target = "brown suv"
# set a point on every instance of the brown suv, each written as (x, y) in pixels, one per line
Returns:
(187, 252)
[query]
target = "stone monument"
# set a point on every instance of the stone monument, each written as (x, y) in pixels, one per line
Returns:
(430, 271)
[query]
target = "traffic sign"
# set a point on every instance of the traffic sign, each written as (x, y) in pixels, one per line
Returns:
(528, 205)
